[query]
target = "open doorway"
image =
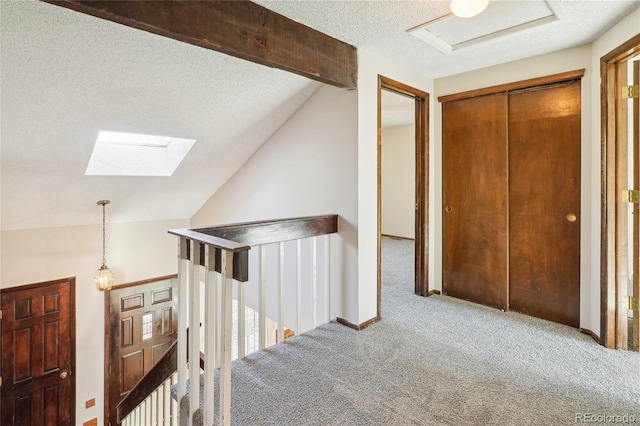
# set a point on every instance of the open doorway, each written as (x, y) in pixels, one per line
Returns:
(403, 193)
(620, 263)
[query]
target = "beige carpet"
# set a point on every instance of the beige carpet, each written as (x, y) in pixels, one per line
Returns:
(435, 361)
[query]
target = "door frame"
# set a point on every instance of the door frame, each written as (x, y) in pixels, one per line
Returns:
(613, 218)
(421, 284)
(72, 332)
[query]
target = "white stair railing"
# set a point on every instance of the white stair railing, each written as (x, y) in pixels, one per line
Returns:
(214, 265)
(159, 408)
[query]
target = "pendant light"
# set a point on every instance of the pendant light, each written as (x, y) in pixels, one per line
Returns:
(468, 8)
(104, 277)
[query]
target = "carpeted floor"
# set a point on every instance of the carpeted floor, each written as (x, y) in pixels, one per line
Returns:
(435, 361)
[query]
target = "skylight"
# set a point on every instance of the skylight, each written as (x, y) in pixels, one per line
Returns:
(130, 154)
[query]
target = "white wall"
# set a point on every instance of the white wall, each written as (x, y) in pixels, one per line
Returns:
(135, 251)
(308, 167)
(398, 181)
(370, 66)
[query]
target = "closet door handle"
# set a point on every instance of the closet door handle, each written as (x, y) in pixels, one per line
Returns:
(448, 209)
(571, 217)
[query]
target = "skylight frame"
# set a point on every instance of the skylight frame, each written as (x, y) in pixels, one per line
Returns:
(134, 154)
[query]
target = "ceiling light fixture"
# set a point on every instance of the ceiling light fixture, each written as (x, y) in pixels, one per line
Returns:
(468, 8)
(104, 277)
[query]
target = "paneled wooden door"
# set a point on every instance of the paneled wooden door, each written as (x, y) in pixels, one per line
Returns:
(38, 354)
(475, 199)
(142, 318)
(544, 202)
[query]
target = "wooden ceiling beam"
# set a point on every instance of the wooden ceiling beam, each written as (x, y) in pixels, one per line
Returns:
(238, 28)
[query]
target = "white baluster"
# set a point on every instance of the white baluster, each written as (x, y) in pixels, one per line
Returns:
(210, 337)
(262, 279)
(154, 407)
(327, 273)
(281, 296)
(298, 284)
(242, 319)
(314, 280)
(166, 401)
(194, 332)
(174, 404)
(183, 308)
(225, 365)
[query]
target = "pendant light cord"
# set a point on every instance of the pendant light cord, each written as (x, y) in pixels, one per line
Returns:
(104, 237)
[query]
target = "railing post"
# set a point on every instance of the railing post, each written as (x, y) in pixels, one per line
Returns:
(225, 365)
(194, 331)
(184, 251)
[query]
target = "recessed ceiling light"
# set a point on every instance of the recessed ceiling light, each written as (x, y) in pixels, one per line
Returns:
(450, 33)
(131, 154)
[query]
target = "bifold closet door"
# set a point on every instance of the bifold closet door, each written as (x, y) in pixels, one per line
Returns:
(475, 199)
(544, 202)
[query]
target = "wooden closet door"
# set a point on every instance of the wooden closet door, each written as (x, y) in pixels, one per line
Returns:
(475, 199)
(544, 202)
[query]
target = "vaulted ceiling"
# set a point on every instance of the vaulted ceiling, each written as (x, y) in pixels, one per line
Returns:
(64, 76)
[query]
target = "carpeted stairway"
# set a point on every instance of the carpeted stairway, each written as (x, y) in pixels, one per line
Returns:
(434, 361)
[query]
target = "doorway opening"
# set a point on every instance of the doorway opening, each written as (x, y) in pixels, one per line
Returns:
(388, 92)
(620, 215)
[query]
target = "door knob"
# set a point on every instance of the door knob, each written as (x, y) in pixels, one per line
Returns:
(63, 375)
(448, 209)
(571, 217)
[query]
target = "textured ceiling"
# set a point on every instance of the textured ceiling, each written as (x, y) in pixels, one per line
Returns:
(381, 26)
(64, 76)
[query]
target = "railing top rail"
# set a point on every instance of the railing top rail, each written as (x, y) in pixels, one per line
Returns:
(211, 240)
(274, 231)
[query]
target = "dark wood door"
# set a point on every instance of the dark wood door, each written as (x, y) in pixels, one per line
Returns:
(475, 199)
(38, 349)
(143, 320)
(544, 202)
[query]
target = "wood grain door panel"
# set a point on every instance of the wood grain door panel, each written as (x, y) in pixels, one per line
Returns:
(38, 345)
(475, 199)
(133, 346)
(544, 191)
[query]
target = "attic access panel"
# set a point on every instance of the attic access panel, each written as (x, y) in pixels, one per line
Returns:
(449, 33)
